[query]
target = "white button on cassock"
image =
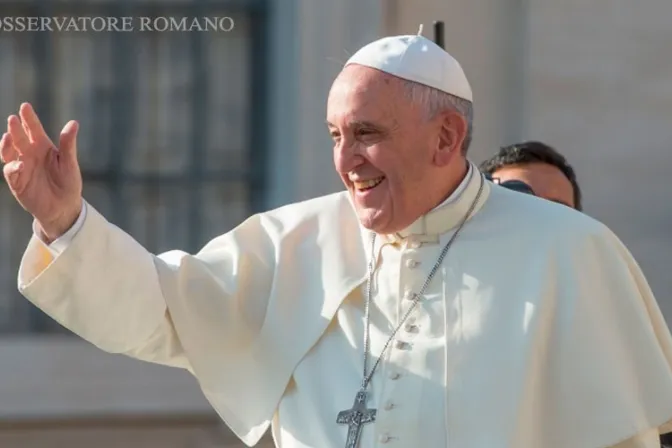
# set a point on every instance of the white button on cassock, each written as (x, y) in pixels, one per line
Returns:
(412, 263)
(384, 438)
(394, 375)
(401, 345)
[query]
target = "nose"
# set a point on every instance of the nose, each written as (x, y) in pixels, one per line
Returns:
(347, 156)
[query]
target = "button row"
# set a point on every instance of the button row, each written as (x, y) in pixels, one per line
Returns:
(411, 328)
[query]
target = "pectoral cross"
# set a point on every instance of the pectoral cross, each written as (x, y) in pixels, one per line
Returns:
(355, 417)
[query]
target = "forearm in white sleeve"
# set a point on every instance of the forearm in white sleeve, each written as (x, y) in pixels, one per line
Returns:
(168, 308)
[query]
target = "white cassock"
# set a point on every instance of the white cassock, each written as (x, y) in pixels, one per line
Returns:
(538, 331)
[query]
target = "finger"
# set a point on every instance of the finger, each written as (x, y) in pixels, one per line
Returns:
(33, 126)
(19, 137)
(26, 130)
(67, 145)
(7, 151)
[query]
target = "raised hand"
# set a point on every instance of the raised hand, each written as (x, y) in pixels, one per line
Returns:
(45, 180)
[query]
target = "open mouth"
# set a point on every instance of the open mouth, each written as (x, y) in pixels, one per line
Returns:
(367, 185)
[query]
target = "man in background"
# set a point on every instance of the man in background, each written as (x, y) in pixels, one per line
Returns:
(543, 169)
(544, 172)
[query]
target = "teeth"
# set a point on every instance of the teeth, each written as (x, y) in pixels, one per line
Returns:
(367, 184)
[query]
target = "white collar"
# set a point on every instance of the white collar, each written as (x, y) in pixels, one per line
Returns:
(449, 213)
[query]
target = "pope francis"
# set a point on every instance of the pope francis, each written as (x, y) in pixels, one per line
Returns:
(421, 307)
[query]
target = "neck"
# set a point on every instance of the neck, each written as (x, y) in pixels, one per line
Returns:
(453, 180)
(450, 180)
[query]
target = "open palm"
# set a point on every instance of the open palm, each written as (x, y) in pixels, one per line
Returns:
(45, 180)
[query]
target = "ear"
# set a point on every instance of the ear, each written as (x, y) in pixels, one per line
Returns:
(452, 132)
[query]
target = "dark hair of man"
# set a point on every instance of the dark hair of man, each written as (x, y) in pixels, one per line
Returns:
(533, 152)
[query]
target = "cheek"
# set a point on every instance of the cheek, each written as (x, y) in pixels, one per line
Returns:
(566, 196)
(390, 159)
(376, 157)
(408, 169)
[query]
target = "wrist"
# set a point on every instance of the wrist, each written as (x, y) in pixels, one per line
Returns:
(53, 229)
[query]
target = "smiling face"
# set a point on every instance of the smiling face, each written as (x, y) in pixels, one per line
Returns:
(395, 162)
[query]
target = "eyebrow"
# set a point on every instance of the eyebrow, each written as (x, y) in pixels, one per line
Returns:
(366, 124)
(359, 123)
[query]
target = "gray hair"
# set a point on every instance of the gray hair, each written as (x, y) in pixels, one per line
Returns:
(435, 101)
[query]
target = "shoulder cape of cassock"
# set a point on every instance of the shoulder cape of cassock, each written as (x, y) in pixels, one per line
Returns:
(587, 365)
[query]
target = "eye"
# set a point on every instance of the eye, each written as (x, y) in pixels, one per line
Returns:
(366, 132)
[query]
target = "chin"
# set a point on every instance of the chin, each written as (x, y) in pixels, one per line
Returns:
(373, 213)
(373, 220)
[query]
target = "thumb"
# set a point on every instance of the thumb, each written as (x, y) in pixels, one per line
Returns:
(12, 172)
(67, 144)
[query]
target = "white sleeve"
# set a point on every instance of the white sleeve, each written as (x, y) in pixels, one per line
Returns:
(111, 291)
(60, 244)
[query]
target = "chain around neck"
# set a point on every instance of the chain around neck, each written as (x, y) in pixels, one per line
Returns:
(366, 378)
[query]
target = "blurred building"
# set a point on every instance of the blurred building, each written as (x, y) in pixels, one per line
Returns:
(183, 135)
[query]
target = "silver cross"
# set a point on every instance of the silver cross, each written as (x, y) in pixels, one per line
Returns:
(355, 417)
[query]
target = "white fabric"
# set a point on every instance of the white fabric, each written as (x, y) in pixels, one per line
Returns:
(61, 243)
(460, 188)
(418, 59)
(647, 439)
(539, 330)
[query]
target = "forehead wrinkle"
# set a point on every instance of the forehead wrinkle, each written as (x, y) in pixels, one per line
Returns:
(376, 98)
(368, 112)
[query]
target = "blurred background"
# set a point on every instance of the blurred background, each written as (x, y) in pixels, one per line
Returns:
(183, 135)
